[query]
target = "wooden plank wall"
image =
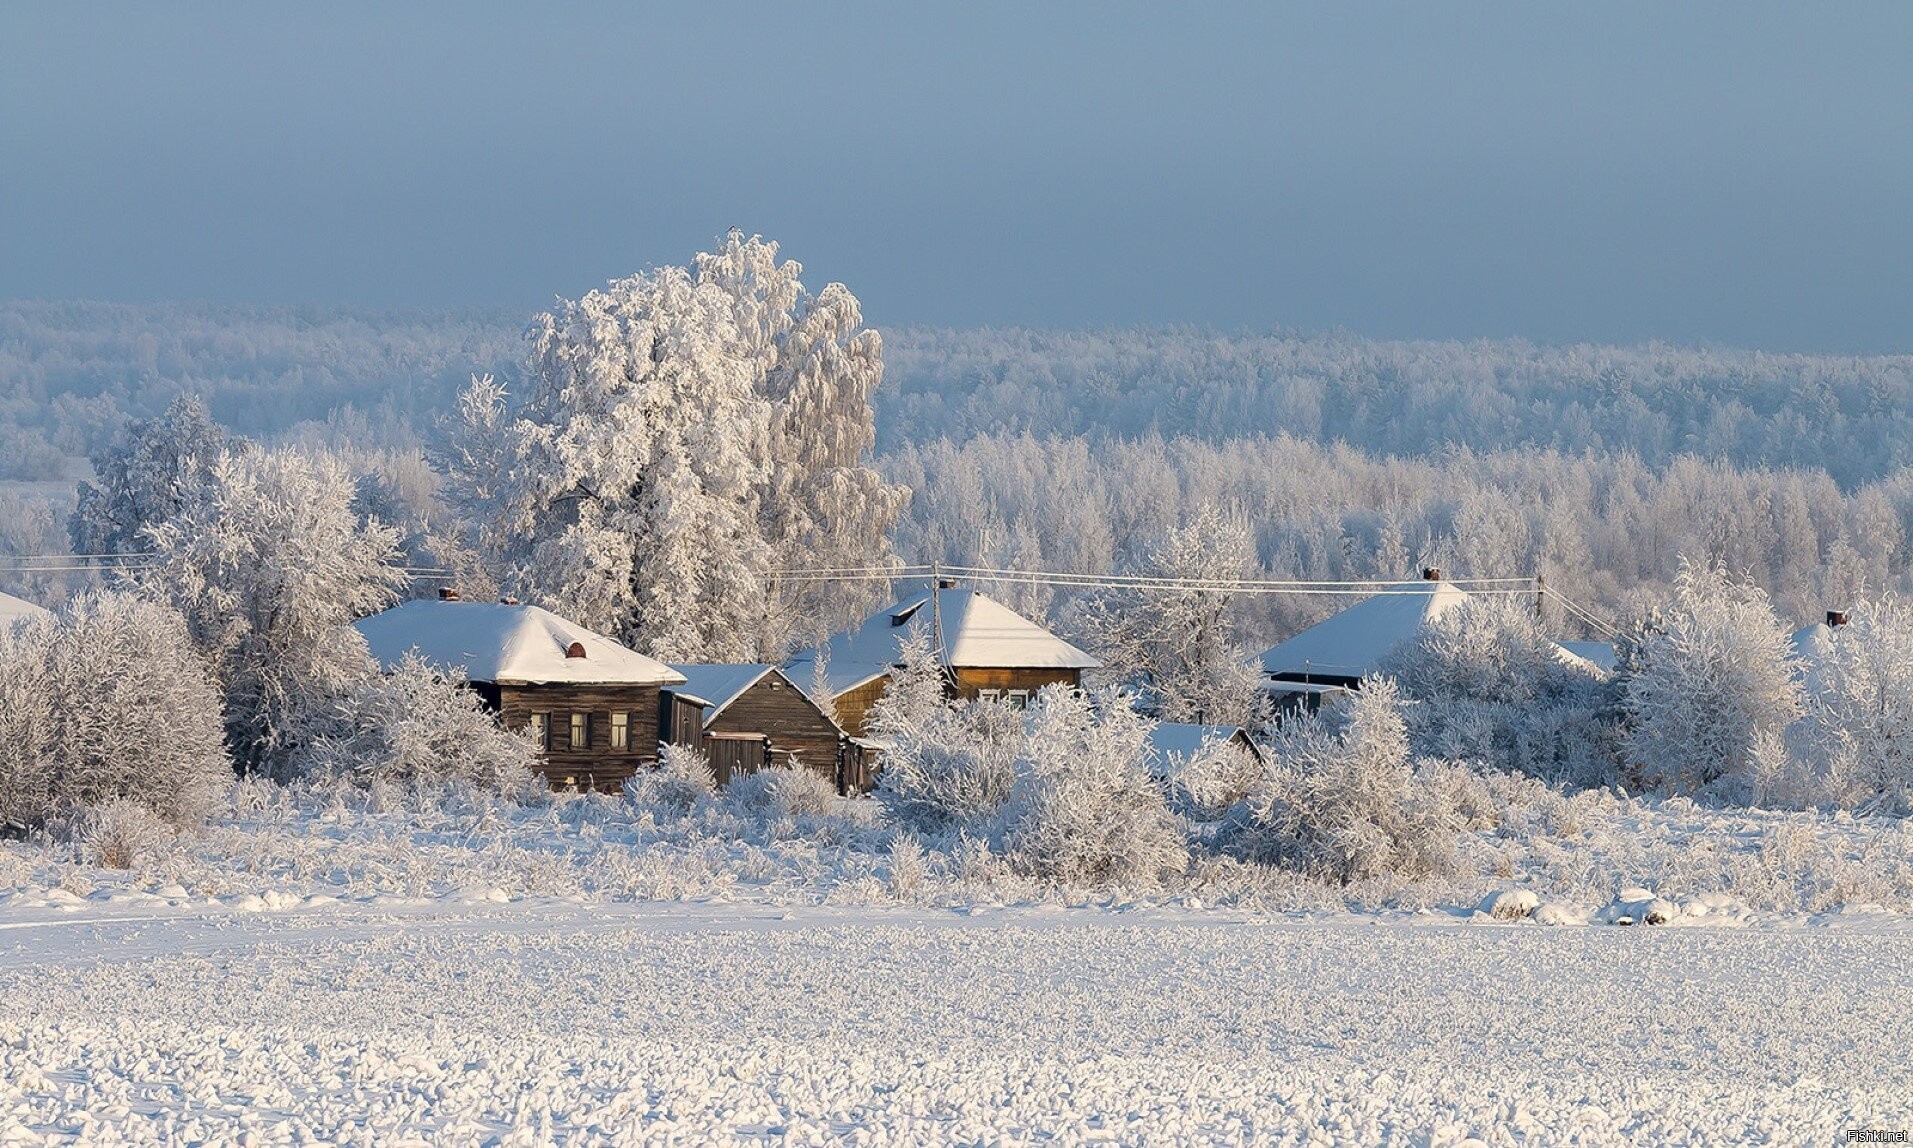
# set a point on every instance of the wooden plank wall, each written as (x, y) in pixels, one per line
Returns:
(596, 766)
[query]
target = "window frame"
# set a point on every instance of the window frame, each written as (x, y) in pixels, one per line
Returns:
(620, 729)
(580, 723)
(540, 729)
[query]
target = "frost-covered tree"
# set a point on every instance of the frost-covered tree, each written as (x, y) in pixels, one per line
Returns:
(1705, 677)
(1340, 798)
(145, 477)
(106, 701)
(686, 434)
(1859, 726)
(1174, 645)
(1488, 685)
(1084, 809)
(416, 726)
(269, 563)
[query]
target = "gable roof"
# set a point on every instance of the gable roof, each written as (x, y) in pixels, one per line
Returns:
(16, 610)
(717, 686)
(1601, 655)
(514, 645)
(1353, 643)
(978, 632)
(1175, 742)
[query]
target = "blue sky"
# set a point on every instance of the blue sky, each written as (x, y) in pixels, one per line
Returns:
(1726, 173)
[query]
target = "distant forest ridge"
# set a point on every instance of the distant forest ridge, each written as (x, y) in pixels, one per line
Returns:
(72, 372)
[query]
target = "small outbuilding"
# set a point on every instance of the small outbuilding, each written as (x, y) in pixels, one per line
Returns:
(750, 715)
(592, 705)
(1175, 744)
(987, 649)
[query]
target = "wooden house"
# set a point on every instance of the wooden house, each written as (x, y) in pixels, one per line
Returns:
(986, 648)
(750, 715)
(592, 705)
(16, 611)
(1334, 655)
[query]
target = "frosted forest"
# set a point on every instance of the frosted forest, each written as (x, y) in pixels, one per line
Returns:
(718, 462)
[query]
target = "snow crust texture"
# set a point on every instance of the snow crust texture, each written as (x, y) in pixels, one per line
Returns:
(533, 1027)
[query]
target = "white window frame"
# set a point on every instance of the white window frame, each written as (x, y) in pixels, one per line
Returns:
(540, 728)
(621, 729)
(580, 722)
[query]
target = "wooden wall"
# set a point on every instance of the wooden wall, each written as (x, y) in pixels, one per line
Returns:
(776, 708)
(595, 766)
(853, 706)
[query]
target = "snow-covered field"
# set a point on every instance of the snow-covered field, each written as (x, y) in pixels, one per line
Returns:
(460, 1020)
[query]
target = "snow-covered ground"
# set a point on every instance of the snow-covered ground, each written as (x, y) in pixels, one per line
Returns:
(463, 1020)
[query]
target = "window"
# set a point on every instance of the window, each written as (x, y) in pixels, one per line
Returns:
(581, 731)
(1019, 698)
(621, 730)
(989, 695)
(541, 730)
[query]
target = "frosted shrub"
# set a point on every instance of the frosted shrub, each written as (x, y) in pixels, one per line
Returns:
(794, 792)
(1084, 809)
(945, 766)
(1341, 800)
(106, 701)
(418, 727)
(119, 834)
(1213, 779)
(1705, 678)
(1859, 715)
(682, 779)
(907, 866)
(1488, 685)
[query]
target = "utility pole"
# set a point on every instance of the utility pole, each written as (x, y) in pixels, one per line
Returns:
(936, 611)
(1540, 592)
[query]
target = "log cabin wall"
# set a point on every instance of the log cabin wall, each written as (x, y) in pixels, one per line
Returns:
(776, 708)
(595, 765)
(971, 681)
(853, 706)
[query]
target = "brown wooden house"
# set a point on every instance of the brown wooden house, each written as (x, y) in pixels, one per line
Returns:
(748, 716)
(592, 705)
(986, 648)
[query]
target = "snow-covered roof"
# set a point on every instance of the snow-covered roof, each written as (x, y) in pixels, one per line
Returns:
(13, 611)
(1353, 643)
(1601, 655)
(978, 632)
(717, 686)
(497, 642)
(1812, 646)
(1181, 741)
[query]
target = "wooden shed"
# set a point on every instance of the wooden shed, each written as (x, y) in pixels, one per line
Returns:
(750, 715)
(987, 649)
(592, 705)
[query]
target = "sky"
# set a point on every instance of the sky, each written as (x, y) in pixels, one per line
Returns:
(1721, 173)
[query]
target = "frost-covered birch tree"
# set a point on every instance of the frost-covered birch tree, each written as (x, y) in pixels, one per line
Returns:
(145, 477)
(1859, 727)
(687, 433)
(269, 563)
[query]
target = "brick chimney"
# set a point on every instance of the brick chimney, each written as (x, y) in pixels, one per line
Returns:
(448, 593)
(1836, 617)
(1431, 573)
(575, 650)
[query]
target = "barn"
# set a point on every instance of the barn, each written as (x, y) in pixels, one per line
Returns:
(592, 705)
(988, 649)
(749, 715)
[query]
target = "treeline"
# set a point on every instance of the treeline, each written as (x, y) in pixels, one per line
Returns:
(1606, 531)
(70, 373)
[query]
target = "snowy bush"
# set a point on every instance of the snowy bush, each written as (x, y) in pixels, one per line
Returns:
(682, 779)
(1084, 809)
(121, 833)
(945, 767)
(269, 563)
(1214, 778)
(1705, 677)
(107, 700)
(782, 791)
(1858, 732)
(416, 726)
(1486, 684)
(1340, 798)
